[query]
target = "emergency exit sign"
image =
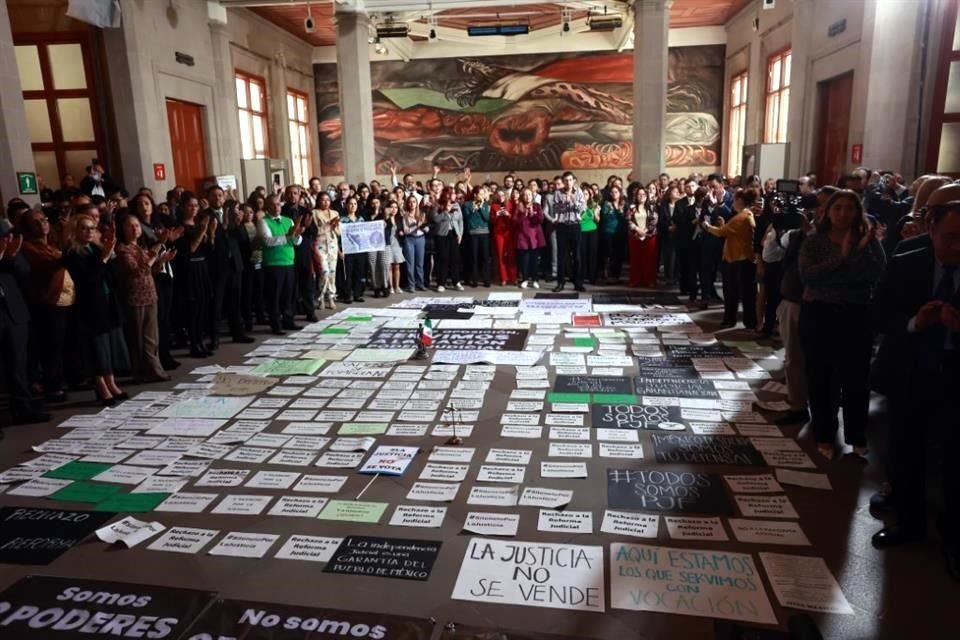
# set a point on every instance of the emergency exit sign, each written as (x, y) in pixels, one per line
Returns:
(27, 182)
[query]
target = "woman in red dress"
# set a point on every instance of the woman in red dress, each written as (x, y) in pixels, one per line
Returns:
(643, 242)
(504, 244)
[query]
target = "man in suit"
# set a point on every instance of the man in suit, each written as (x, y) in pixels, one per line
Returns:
(226, 271)
(14, 331)
(716, 209)
(919, 303)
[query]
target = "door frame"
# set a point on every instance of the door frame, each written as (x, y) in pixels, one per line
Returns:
(822, 88)
(204, 124)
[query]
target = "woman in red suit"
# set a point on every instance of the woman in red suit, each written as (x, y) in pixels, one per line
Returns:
(504, 244)
(643, 242)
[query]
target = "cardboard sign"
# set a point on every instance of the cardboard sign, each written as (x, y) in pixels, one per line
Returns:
(676, 388)
(678, 491)
(635, 416)
(40, 536)
(675, 448)
(226, 383)
(384, 557)
(43, 607)
(532, 574)
(269, 621)
(453, 339)
(621, 385)
(690, 582)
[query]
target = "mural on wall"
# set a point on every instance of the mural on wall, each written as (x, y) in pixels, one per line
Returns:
(527, 112)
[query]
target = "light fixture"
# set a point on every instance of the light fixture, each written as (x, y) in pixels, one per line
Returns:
(566, 15)
(308, 24)
(432, 21)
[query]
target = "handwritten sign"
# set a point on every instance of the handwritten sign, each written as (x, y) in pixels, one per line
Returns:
(384, 557)
(226, 383)
(676, 448)
(594, 384)
(667, 491)
(361, 237)
(676, 387)
(532, 574)
(690, 582)
(275, 367)
(635, 416)
(453, 339)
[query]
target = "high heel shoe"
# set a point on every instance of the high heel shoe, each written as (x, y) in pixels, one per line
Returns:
(105, 402)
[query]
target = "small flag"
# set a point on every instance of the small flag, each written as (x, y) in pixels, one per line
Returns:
(426, 333)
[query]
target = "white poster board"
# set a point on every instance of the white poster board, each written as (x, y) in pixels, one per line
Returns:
(362, 237)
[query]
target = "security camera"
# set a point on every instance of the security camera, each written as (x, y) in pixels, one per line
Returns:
(769, 4)
(309, 25)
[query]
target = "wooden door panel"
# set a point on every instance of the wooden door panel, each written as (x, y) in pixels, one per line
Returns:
(836, 97)
(187, 143)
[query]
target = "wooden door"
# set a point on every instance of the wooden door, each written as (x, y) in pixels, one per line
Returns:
(185, 120)
(836, 96)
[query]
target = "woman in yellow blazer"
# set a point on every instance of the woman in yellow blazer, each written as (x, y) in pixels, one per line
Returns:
(739, 267)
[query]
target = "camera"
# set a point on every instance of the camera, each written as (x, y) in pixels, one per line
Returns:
(309, 25)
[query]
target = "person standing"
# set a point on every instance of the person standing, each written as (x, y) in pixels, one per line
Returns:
(739, 267)
(788, 315)
(569, 205)
(226, 272)
(919, 307)
(279, 235)
(528, 219)
(328, 247)
(192, 288)
(589, 236)
(393, 223)
(715, 210)
(476, 219)
(839, 265)
(504, 244)
(643, 241)
(414, 227)
(447, 230)
(379, 260)
(613, 234)
(684, 223)
(136, 266)
(666, 233)
(353, 263)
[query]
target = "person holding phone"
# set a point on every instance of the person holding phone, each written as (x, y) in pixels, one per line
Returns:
(840, 264)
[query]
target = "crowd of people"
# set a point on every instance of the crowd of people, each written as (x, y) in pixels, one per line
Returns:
(96, 283)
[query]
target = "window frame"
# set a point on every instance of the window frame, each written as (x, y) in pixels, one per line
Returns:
(939, 117)
(50, 94)
(777, 136)
(737, 110)
(293, 119)
(249, 80)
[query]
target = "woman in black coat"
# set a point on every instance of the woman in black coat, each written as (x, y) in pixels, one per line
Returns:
(98, 308)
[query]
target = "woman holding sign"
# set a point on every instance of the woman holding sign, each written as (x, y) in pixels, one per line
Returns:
(379, 260)
(353, 262)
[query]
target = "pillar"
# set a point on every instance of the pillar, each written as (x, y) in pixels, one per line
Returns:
(16, 155)
(280, 133)
(801, 138)
(650, 51)
(224, 117)
(356, 96)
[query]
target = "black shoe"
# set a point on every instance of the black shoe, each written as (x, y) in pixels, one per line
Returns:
(244, 339)
(59, 396)
(881, 504)
(311, 317)
(277, 331)
(123, 395)
(289, 326)
(263, 320)
(359, 300)
(199, 352)
(794, 417)
(558, 288)
(213, 345)
(897, 536)
(170, 364)
(580, 289)
(486, 285)
(32, 417)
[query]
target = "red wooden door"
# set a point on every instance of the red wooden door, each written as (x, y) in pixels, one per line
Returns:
(836, 96)
(185, 120)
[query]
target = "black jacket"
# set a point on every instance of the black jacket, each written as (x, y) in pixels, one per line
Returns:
(13, 308)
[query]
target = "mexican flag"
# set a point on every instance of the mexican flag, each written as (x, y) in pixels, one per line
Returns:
(426, 333)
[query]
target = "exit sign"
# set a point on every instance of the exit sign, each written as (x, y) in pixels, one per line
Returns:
(27, 182)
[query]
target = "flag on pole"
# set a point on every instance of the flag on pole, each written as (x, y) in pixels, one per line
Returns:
(426, 333)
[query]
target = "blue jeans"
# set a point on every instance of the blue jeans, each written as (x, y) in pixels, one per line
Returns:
(413, 251)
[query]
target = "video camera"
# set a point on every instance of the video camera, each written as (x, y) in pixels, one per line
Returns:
(790, 200)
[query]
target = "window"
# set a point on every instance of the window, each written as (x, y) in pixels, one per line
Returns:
(252, 106)
(59, 94)
(943, 154)
(738, 120)
(299, 125)
(778, 97)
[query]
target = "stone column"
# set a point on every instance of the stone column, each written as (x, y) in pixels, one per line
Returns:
(15, 151)
(280, 132)
(227, 124)
(800, 153)
(651, 27)
(356, 96)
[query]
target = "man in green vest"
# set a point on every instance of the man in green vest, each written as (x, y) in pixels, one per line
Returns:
(279, 236)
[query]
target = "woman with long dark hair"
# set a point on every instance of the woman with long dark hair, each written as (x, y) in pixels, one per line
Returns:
(528, 221)
(840, 263)
(379, 260)
(476, 219)
(590, 236)
(613, 234)
(353, 263)
(194, 291)
(642, 224)
(414, 227)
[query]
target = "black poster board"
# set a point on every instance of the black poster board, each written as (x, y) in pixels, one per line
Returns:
(679, 448)
(269, 621)
(457, 631)
(447, 311)
(635, 416)
(384, 557)
(676, 388)
(662, 490)
(498, 303)
(556, 296)
(49, 608)
(664, 368)
(594, 384)
(454, 339)
(632, 297)
(681, 353)
(40, 536)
